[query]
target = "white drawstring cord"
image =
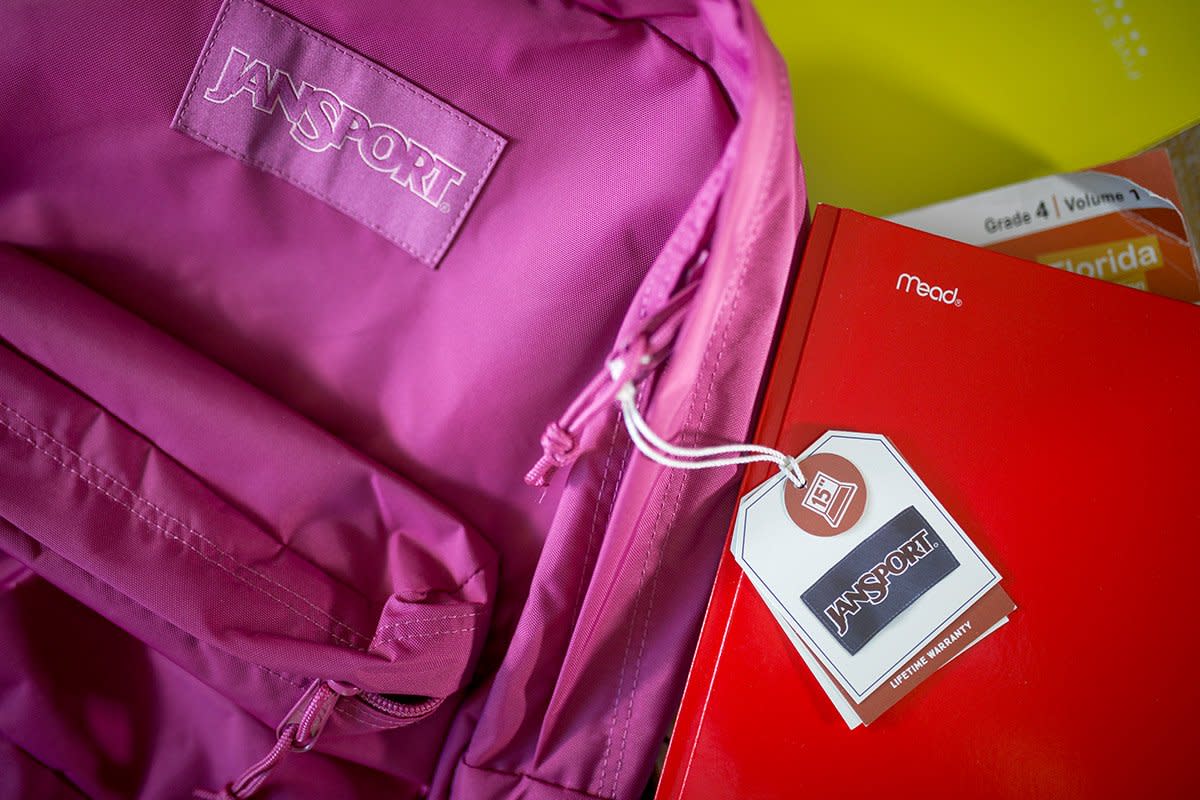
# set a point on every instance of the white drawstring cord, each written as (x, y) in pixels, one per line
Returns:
(660, 451)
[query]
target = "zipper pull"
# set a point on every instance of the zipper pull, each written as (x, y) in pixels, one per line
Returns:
(629, 363)
(298, 733)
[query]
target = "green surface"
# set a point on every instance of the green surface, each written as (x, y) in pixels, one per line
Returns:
(907, 103)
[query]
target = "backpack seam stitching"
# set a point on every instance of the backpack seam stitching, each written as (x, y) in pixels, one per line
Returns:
(128, 506)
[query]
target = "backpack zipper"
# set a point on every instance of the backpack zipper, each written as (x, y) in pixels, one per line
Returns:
(628, 363)
(297, 733)
(398, 709)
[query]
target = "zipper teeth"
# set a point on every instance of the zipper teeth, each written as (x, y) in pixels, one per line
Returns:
(392, 708)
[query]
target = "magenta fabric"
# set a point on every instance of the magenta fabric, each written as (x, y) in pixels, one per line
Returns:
(347, 131)
(248, 443)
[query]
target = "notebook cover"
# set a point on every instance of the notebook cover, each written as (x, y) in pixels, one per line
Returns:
(1056, 417)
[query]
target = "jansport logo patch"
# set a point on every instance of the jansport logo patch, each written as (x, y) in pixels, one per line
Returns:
(907, 283)
(880, 578)
(320, 119)
(287, 100)
(872, 586)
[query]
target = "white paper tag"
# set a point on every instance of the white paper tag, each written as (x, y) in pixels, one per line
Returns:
(864, 567)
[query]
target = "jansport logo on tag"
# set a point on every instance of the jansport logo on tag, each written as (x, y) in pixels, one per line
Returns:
(908, 283)
(881, 577)
(871, 588)
(320, 120)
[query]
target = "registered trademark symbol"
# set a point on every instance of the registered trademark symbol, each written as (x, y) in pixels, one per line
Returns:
(444, 208)
(958, 302)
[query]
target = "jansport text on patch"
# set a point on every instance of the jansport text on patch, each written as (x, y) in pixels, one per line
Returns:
(321, 120)
(871, 588)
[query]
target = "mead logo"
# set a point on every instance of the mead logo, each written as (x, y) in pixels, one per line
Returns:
(909, 283)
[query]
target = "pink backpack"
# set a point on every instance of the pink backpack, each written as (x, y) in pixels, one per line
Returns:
(288, 295)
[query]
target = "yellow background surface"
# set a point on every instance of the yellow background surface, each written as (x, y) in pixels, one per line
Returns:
(900, 104)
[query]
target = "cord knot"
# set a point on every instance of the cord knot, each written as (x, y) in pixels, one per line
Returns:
(558, 444)
(558, 450)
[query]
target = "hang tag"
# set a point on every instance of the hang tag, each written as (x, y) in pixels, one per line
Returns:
(871, 578)
(834, 499)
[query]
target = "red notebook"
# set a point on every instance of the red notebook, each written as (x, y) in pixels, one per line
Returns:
(1058, 419)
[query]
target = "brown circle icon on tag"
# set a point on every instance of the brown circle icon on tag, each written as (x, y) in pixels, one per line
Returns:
(833, 499)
